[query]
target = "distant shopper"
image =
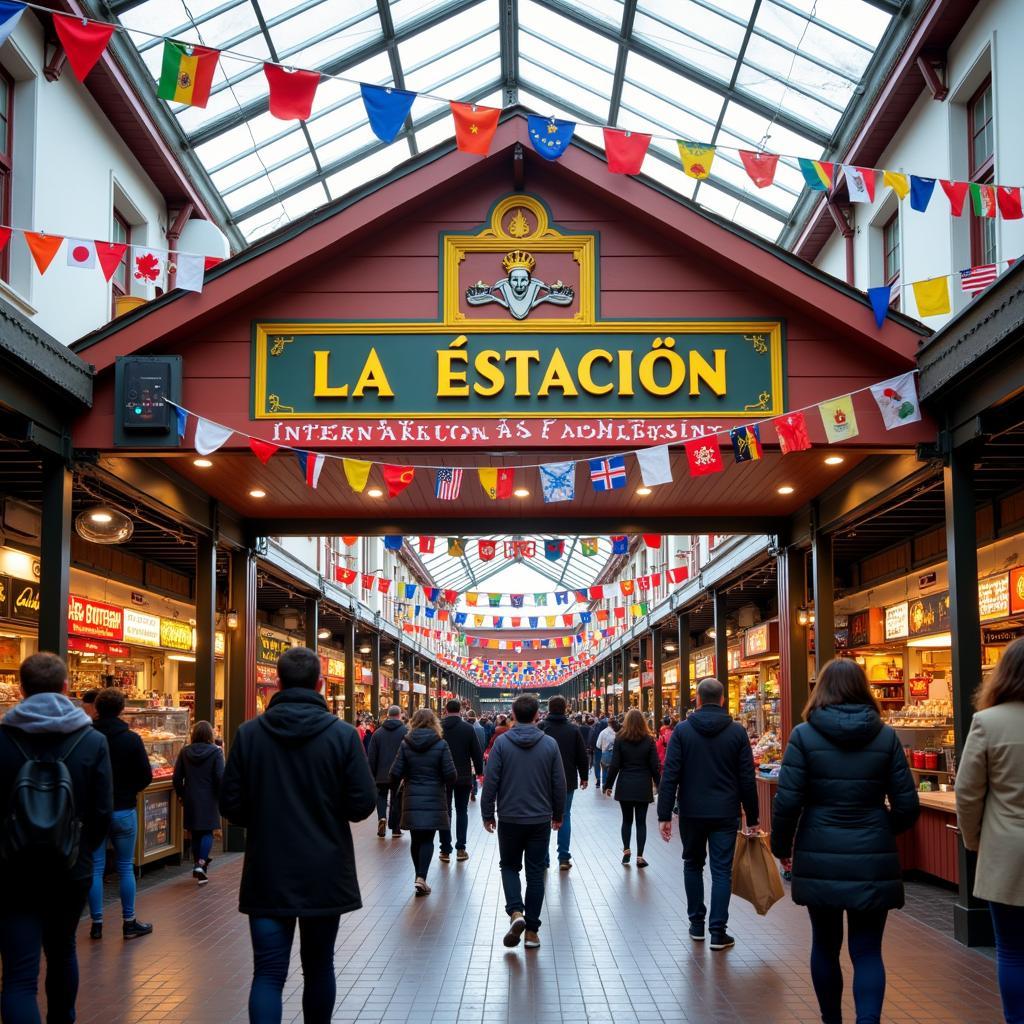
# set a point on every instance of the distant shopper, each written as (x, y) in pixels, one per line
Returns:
(296, 776)
(709, 773)
(45, 873)
(990, 813)
(383, 750)
(132, 774)
(526, 780)
(89, 702)
(840, 768)
(576, 766)
(664, 735)
(635, 767)
(481, 736)
(500, 729)
(198, 773)
(468, 756)
(603, 751)
(423, 768)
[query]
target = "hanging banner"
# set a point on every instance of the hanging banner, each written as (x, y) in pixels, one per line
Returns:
(176, 635)
(141, 628)
(929, 614)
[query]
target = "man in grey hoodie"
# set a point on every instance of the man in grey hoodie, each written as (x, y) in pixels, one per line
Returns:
(526, 778)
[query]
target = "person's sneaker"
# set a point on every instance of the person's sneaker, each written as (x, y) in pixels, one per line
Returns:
(135, 929)
(422, 889)
(722, 940)
(382, 828)
(532, 940)
(564, 865)
(515, 930)
(462, 855)
(697, 932)
(199, 874)
(445, 858)
(396, 833)
(96, 931)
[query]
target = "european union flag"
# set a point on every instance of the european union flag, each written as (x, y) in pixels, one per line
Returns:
(386, 109)
(549, 135)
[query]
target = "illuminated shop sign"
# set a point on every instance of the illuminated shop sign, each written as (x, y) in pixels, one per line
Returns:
(176, 635)
(994, 597)
(897, 621)
(141, 628)
(95, 619)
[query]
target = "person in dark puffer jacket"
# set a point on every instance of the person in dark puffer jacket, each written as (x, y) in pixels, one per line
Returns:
(830, 815)
(383, 750)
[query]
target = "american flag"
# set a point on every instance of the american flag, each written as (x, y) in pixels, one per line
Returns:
(977, 279)
(448, 484)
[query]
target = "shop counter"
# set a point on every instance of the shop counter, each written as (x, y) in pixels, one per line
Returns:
(932, 845)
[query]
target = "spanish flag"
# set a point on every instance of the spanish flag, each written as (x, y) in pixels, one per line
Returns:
(187, 73)
(697, 159)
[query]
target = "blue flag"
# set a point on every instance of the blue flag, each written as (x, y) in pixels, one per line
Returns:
(553, 549)
(410, 591)
(558, 481)
(393, 542)
(387, 109)
(460, 618)
(533, 620)
(179, 412)
(880, 298)
(921, 192)
(620, 545)
(585, 617)
(10, 13)
(561, 597)
(550, 136)
(430, 612)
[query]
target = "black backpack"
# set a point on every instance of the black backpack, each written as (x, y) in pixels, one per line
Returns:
(42, 823)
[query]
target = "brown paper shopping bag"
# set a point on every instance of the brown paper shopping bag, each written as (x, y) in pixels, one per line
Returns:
(755, 875)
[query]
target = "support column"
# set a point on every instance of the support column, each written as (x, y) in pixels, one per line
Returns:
(312, 623)
(971, 922)
(431, 693)
(349, 645)
(206, 628)
(683, 645)
(413, 667)
(240, 664)
(656, 669)
(641, 661)
(721, 641)
(55, 557)
(375, 671)
(824, 600)
(793, 689)
(397, 672)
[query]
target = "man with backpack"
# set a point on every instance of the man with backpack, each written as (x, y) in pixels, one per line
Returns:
(57, 793)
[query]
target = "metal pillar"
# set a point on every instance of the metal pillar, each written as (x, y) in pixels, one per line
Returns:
(656, 695)
(55, 557)
(793, 685)
(375, 670)
(349, 646)
(397, 671)
(206, 628)
(824, 600)
(721, 641)
(683, 645)
(312, 623)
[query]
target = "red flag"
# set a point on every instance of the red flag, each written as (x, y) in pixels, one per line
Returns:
(427, 545)
(792, 433)
(760, 166)
(652, 540)
(451, 596)
(566, 620)
(349, 541)
(678, 575)
(291, 92)
(43, 248)
(956, 193)
(366, 580)
(597, 593)
(516, 621)
(625, 150)
(620, 612)
(383, 585)
(397, 478)
(1008, 198)
(109, 256)
(703, 456)
(5, 237)
(345, 575)
(627, 587)
(486, 549)
(474, 127)
(602, 614)
(209, 262)
(262, 449)
(83, 41)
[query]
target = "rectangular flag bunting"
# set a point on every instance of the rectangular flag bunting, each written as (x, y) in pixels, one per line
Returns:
(472, 598)
(448, 483)
(497, 483)
(427, 545)
(817, 174)
(983, 200)
(558, 481)
(533, 620)
(1008, 199)
(696, 159)
(432, 593)
(620, 545)
(357, 472)
(746, 443)
(678, 575)
(860, 183)
(410, 591)
(588, 545)
(540, 600)
(393, 542)
(898, 182)
(897, 401)
(561, 597)
(81, 253)
(597, 593)
(516, 600)
(343, 575)
(189, 271)
(186, 73)
(703, 456)
(182, 418)
(839, 419)
(608, 474)
(10, 13)
(383, 585)
(148, 266)
(292, 91)
(932, 296)
(486, 549)
(655, 467)
(760, 166)
(456, 547)
(554, 549)
(977, 279)
(494, 600)
(311, 466)
(792, 433)
(956, 193)
(624, 150)
(474, 127)
(921, 190)
(386, 109)
(451, 596)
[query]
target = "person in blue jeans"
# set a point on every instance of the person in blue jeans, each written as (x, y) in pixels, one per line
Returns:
(132, 774)
(575, 764)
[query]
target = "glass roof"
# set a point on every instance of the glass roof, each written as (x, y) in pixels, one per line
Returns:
(740, 73)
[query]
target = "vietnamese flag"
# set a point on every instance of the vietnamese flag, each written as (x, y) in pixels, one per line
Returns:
(760, 166)
(291, 91)
(43, 248)
(83, 41)
(397, 478)
(625, 150)
(474, 127)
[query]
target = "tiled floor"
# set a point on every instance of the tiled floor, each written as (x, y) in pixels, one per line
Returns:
(615, 949)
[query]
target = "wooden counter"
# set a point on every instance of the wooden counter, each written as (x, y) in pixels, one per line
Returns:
(932, 845)
(765, 797)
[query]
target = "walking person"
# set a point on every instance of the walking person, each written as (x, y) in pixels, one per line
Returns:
(132, 774)
(603, 752)
(198, 773)
(709, 774)
(296, 776)
(500, 729)
(840, 769)
(635, 767)
(526, 781)
(599, 726)
(481, 736)
(45, 883)
(424, 768)
(576, 766)
(664, 735)
(989, 799)
(383, 750)
(468, 756)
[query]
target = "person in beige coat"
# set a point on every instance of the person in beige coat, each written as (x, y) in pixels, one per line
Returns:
(990, 812)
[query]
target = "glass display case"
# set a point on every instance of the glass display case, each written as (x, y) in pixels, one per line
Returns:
(164, 731)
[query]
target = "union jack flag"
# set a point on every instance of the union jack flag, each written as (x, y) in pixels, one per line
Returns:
(977, 279)
(448, 484)
(608, 474)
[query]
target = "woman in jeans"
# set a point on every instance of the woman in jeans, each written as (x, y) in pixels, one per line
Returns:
(423, 768)
(989, 803)
(635, 765)
(830, 816)
(197, 777)
(132, 774)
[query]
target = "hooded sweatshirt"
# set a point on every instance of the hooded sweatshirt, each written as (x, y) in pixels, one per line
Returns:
(384, 744)
(46, 712)
(128, 759)
(198, 774)
(525, 778)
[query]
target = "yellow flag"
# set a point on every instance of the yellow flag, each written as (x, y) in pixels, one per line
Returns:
(357, 473)
(897, 182)
(634, 609)
(550, 620)
(839, 419)
(932, 296)
(697, 159)
(478, 620)
(489, 480)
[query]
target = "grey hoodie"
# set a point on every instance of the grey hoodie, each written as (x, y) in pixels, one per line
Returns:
(526, 778)
(46, 712)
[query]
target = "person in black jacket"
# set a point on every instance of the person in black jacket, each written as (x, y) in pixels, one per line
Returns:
(198, 773)
(709, 770)
(599, 727)
(132, 774)
(296, 776)
(830, 815)
(40, 900)
(423, 768)
(382, 752)
(469, 763)
(576, 764)
(635, 766)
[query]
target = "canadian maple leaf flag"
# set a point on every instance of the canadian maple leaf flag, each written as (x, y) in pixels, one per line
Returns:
(148, 266)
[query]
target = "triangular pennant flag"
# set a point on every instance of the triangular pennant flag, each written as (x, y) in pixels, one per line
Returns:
(292, 91)
(189, 271)
(921, 190)
(932, 296)
(956, 193)
(860, 183)
(1008, 199)
(474, 127)
(655, 467)
(81, 253)
(703, 456)
(5, 237)
(817, 174)
(696, 159)
(983, 200)
(839, 419)
(10, 13)
(624, 150)
(210, 436)
(386, 109)
(83, 41)
(43, 248)
(311, 465)
(760, 166)
(897, 401)
(897, 182)
(357, 472)
(880, 297)
(186, 73)
(746, 443)
(263, 450)
(109, 255)
(549, 136)
(410, 591)
(397, 478)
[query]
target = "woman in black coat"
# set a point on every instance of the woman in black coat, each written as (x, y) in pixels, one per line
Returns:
(424, 768)
(197, 777)
(635, 764)
(830, 816)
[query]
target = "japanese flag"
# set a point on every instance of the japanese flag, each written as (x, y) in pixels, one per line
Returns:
(148, 266)
(81, 253)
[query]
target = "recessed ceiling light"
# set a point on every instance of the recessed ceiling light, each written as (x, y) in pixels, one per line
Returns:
(375, 492)
(643, 491)
(521, 492)
(833, 460)
(786, 489)
(257, 493)
(202, 463)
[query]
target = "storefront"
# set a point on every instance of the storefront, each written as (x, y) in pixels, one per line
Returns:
(272, 644)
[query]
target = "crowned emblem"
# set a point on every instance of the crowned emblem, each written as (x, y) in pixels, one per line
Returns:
(519, 292)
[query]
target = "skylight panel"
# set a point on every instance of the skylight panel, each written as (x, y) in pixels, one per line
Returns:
(354, 22)
(794, 99)
(697, 36)
(589, 98)
(537, 22)
(366, 170)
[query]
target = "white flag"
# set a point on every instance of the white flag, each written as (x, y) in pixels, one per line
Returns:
(897, 400)
(654, 466)
(210, 436)
(81, 253)
(190, 269)
(860, 182)
(148, 266)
